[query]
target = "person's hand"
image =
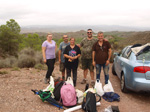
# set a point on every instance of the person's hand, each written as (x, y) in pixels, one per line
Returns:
(93, 63)
(72, 58)
(105, 39)
(75, 57)
(107, 62)
(44, 60)
(59, 60)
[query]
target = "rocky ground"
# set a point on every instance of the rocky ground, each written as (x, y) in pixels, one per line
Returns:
(16, 95)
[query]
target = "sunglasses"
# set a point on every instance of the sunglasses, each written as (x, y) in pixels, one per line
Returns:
(89, 32)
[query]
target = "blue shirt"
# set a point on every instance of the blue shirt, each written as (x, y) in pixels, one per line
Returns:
(62, 47)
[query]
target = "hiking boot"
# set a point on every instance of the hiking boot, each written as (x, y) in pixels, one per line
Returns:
(45, 80)
(83, 81)
(92, 83)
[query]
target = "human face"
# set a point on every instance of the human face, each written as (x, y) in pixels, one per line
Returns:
(65, 38)
(49, 37)
(89, 33)
(100, 36)
(72, 41)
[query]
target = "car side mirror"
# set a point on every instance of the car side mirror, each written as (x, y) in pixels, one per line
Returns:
(116, 54)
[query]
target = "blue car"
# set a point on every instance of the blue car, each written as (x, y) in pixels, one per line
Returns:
(133, 68)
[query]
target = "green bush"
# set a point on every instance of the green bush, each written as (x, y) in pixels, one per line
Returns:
(3, 72)
(40, 67)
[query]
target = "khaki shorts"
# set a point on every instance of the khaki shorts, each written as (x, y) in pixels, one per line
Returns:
(62, 67)
(87, 64)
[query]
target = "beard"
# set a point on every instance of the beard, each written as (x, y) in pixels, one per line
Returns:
(89, 36)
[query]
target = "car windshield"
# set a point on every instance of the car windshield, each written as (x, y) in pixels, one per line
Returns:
(144, 55)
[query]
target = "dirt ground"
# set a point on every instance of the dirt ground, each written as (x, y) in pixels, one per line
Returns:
(16, 95)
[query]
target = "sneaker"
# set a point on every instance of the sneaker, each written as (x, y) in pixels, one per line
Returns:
(45, 80)
(83, 81)
(92, 83)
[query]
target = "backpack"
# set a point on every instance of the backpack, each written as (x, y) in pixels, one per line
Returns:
(89, 102)
(111, 96)
(68, 95)
(57, 90)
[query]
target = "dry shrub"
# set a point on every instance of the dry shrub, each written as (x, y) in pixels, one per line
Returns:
(38, 57)
(8, 62)
(26, 61)
(28, 51)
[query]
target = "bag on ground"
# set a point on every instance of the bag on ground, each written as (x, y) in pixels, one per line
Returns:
(69, 81)
(79, 94)
(68, 95)
(56, 81)
(89, 102)
(111, 96)
(98, 87)
(108, 87)
(57, 90)
(51, 85)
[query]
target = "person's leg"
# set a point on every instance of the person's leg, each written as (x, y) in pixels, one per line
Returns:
(68, 72)
(91, 68)
(74, 70)
(106, 73)
(50, 63)
(98, 71)
(62, 69)
(85, 70)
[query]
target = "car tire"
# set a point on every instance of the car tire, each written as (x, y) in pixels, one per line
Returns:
(123, 85)
(113, 70)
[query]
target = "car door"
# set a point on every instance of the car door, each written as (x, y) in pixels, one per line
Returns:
(118, 61)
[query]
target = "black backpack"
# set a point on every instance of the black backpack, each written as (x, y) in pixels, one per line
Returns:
(89, 102)
(57, 90)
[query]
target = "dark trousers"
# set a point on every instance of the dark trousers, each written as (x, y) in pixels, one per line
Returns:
(50, 64)
(74, 71)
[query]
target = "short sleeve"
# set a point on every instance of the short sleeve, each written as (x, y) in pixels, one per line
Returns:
(81, 44)
(60, 46)
(65, 51)
(44, 44)
(79, 51)
(94, 47)
(109, 46)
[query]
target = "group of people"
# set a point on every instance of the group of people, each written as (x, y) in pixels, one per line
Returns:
(94, 53)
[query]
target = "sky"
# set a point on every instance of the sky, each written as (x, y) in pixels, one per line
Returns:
(134, 13)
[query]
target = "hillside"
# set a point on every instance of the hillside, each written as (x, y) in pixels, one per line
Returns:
(139, 37)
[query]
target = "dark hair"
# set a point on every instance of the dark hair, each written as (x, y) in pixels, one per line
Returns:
(89, 29)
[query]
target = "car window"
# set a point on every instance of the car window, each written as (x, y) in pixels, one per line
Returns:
(122, 52)
(144, 55)
(127, 52)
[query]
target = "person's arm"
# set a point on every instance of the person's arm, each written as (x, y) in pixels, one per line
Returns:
(55, 48)
(93, 58)
(44, 55)
(109, 56)
(59, 56)
(67, 56)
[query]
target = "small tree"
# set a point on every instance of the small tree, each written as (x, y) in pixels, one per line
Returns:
(9, 37)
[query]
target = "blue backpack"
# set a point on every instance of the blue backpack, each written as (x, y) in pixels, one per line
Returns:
(111, 96)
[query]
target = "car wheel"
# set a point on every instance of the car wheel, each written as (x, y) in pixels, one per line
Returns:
(123, 86)
(113, 70)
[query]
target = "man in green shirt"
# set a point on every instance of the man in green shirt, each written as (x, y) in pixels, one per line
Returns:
(86, 53)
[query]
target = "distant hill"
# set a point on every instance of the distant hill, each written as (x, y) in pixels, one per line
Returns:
(96, 28)
(137, 38)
